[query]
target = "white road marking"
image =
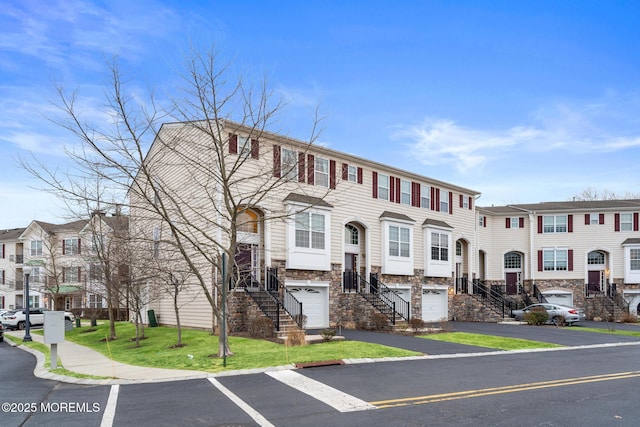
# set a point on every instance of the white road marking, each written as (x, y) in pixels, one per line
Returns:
(257, 417)
(110, 410)
(335, 398)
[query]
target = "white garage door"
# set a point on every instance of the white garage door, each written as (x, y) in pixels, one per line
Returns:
(315, 304)
(434, 305)
(562, 298)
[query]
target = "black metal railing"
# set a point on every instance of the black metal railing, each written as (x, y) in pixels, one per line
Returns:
(294, 308)
(493, 298)
(378, 294)
(591, 289)
(538, 294)
(268, 299)
(271, 279)
(462, 285)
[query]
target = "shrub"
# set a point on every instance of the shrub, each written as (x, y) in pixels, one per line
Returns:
(296, 338)
(629, 318)
(537, 316)
(416, 323)
(261, 327)
(379, 321)
(328, 334)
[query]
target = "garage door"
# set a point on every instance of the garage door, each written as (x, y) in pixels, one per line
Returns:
(434, 305)
(315, 304)
(562, 298)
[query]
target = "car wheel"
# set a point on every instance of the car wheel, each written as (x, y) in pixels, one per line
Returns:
(556, 321)
(21, 326)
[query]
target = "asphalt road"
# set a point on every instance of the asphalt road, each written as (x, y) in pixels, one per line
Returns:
(578, 387)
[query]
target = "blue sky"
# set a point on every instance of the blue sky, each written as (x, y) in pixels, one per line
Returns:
(524, 101)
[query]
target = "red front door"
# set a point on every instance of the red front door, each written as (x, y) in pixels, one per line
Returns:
(512, 283)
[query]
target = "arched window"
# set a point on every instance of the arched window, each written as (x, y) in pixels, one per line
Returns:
(595, 258)
(247, 222)
(351, 235)
(458, 248)
(512, 260)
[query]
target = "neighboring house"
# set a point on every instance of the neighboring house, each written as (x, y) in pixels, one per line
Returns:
(357, 231)
(583, 253)
(11, 259)
(65, 271)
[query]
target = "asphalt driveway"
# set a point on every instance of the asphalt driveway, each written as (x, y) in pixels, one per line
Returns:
(567, 336)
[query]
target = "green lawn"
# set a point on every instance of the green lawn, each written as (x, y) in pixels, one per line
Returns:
(611, 331)
(489, 341)
(201, 347)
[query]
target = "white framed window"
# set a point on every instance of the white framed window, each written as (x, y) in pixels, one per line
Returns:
(465, 202)
(310, 230)
(399, 241)
(405, 192)
(36, 248)
(34, 301)
(626, 222)
(351, 235)
(321, 172)
(555, 259)
(554, 223)
(352, 173)
(634, 259)
(289, 164)
(71, 274)
(71, 246)
(35, 275)
(383, 187)
(512, 260)
(444, 201)
(481, 220)
(95, 301)
(244, 146)
(425, 196)
(439, 246)
(594, 219)
(595, 258)
(514, 222)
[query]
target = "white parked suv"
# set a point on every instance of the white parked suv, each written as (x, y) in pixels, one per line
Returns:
(16, 319)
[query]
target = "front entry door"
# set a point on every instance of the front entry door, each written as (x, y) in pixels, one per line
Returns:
(350, 276)
(595, 277)
(245, 264)
(512, 283)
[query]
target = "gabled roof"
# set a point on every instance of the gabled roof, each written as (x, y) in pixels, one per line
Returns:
(631, 241)
(394, 215)
(307, 200)
(436, 223)
(12, 234)
(577, 205)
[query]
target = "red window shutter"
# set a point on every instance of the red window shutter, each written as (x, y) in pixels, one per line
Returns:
(79, 246)
(63, 275)
(311, 168)
(470, 202)
(635, 221)
(345, 171)
(79, 272)
(617, 222)
(437, 200)
(540, 224)
(415, 194)
(450, 203)
(392, 189)
(277, 167)
(332, 174)
(63, 249)
(302, 173)
(539, 260)
(359, 175)
(484, 223)
(521, 222)
(374, 177)
(3, 255)
(587, 219)
(397, 190)
(255, 149)
(461, 200)
(233, 143)
(570, 223)
(433, 199)
(507, 223)
(601, 219)
(570, 259)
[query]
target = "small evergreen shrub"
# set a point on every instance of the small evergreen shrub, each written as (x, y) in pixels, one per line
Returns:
(537, 316)
(328, 334)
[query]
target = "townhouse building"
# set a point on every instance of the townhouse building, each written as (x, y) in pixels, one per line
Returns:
(344, 236)
(582, 253)
(60, 260)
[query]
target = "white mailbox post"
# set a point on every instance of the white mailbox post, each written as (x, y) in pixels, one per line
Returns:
(54, 333)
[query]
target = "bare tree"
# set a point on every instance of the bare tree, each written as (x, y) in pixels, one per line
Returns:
(219, 161)
(591, 193)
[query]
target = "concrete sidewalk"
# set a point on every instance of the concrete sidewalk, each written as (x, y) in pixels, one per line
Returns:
(83, 360)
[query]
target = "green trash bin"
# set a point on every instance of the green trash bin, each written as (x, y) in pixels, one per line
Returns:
(152, 318)
(77, 322)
